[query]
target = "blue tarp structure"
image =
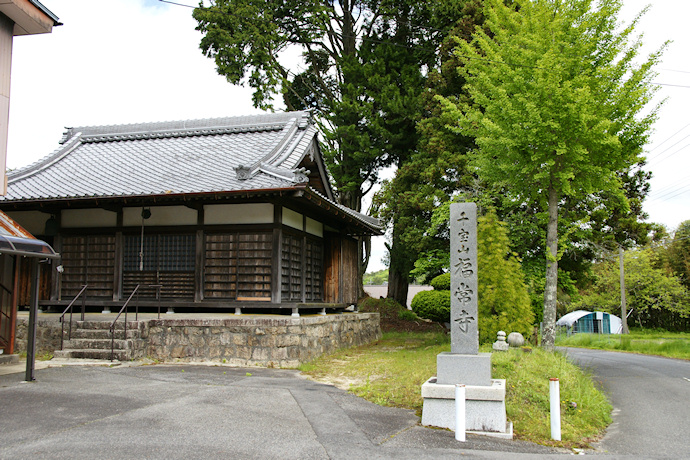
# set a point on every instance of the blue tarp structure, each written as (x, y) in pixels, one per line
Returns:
(596, 322)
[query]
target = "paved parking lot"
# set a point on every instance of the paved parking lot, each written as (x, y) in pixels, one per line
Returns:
(198, 411)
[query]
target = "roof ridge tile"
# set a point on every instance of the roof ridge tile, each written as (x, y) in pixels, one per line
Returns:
(245, 121)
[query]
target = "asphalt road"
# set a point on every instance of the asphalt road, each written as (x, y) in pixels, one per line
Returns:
(192, 411)
(198, 412)
(651, 402)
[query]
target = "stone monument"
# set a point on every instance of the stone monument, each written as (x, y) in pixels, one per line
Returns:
(485, 397)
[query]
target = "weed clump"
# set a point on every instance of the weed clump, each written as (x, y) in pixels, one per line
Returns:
(395, 317)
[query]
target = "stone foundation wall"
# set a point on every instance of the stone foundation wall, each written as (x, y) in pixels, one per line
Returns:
(256, 341)
(47, 336)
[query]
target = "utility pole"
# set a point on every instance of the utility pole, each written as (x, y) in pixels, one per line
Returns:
(624, 312)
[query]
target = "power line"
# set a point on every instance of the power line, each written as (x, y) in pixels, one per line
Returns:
(660, 158)
(669, 84)
(668, 187)
(180, 4)
(667, 196)
(673, 70)
(669, 138)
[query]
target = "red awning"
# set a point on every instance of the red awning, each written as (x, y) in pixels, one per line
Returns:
(16, 240)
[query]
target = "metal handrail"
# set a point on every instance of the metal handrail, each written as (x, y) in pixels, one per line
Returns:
(69, 307)
(158, 296)
(112, 325)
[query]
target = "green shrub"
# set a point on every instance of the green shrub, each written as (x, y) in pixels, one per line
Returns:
(433, 305)
(441, 282)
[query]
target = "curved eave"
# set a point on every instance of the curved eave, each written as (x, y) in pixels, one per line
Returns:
(348, 215)
(355, 222)
(87, 201)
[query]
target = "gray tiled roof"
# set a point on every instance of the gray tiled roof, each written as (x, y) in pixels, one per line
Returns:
(260, 152)
(193, 156)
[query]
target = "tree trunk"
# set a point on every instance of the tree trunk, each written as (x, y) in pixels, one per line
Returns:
(364, 249)
(624, 309)
(398, 285)
(550, 292)
(398, 272)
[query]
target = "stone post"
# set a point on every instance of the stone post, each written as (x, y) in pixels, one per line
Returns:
(464, 365)
(464, 332)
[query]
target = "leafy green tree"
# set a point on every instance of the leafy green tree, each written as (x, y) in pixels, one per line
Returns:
(556, 101)
(504, 302)
(679, 253)
(657, 299)
(434, 171)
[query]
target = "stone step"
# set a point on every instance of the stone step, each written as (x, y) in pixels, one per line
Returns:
(9, 359)
(105, 325)
(119, 355)
(102, 334)
(97, 344)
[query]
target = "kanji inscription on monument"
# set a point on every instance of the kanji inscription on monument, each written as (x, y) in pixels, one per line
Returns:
(464, 334)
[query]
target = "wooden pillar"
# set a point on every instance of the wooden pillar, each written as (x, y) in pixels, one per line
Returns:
(199, 255)
(56, 278)
(303, 259)
(341, 271)
(119, 258)
(117, 266)
(276, 256)
(14, 301)
(200, 250)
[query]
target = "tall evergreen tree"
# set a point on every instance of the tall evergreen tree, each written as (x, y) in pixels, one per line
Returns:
(361, 62)
(362, 68)
(436, 168)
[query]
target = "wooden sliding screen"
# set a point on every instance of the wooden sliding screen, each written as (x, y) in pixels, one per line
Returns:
(238, 266)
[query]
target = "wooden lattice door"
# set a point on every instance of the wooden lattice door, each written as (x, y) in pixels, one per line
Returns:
(164, 259)
(88, 259)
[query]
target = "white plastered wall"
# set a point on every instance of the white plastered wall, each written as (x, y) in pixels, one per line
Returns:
(293, 219)
(160, 215)
(33, 222)
(87, 218)
(314, 227)
(246, 213)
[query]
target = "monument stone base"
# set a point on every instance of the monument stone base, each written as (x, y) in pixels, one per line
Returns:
(452, 368)
(485, 408)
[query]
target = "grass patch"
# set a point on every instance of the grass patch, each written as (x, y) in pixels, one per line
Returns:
(391, 372)
(585, 411)
(45, 356)
(648, 342)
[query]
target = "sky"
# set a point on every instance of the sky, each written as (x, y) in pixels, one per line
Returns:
(133, 61)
